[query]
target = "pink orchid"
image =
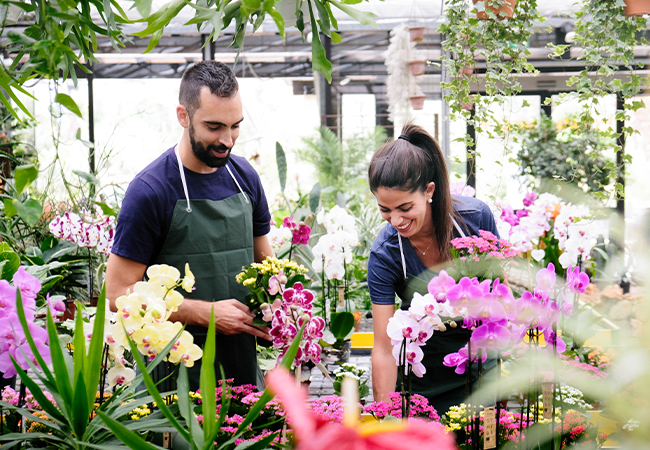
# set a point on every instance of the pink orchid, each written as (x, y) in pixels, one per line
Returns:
(314, 434)
(546, 279)
(529, 198)
(576, 281)
(466, 290)
(491, 336)
(27, 283)
(299, 296)
(439, 286)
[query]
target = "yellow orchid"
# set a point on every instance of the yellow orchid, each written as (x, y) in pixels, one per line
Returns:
(188, 281)
(173, 299)
(147, 339)
(129, 310)
(120, 375)
(164, 275)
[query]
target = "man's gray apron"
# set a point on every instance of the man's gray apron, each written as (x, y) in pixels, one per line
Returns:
(216, 239)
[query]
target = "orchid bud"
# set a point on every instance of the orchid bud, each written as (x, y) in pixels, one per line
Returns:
(264, 306)
(442, 327)
(283, 279)
(306, 317)
(453, 324)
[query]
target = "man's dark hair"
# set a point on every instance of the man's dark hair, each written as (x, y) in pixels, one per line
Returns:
(215, 75)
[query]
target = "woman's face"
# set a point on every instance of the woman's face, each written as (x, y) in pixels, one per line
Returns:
(409, 212)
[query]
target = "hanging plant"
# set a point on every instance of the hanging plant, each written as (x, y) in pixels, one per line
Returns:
(400, 84)
(498, 47)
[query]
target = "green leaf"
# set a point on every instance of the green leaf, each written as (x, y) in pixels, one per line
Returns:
(336, 38)
(157, 21)
(107, 210)
(30, 211)
(80, 407)
(185, 406)
(319, 60)
(207, 382)
(131, 439)
(324, 18)
(363, 17)
(281, 159)
(10, 264)
(59, 365)
(89, 177)
(342, 324)
(93, 369)
(24, 176)
(10, 209)
(67, 102)
(314, 197)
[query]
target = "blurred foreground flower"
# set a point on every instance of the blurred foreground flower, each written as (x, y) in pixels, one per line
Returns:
(314, 434)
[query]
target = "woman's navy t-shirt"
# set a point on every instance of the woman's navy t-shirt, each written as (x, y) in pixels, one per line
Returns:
(385, 273)
(148, 206)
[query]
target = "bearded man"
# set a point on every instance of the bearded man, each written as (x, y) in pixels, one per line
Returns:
(199, 204)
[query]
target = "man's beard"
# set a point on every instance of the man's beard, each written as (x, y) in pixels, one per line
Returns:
(205, 155)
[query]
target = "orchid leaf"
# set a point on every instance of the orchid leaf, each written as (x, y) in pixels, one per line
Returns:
(29, 211)
(281, 160)
(59, 365)
(207, 382)
(93, 369)
(131, 439)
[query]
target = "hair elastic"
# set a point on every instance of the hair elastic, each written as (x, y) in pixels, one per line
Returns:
(405, 137)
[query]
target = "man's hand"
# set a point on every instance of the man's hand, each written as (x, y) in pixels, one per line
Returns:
(231, 317)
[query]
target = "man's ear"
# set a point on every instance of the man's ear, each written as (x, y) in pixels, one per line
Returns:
(183, 116)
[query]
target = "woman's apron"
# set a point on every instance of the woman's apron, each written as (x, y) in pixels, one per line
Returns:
(216, 239)
(441, 385)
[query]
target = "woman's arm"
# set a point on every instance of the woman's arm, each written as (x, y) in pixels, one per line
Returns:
(384, 367)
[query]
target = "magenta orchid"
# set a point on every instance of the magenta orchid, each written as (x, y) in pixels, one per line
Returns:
(300, 232)
(288, 314)
(440, 285)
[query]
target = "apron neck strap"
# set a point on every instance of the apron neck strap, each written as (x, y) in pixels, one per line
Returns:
(401, 248)
(401, 252)
(460, 231)
(182, 171)
(237, 183)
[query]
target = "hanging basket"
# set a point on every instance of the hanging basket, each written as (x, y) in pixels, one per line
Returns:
(636, 7)
(417, 67)
(508, 9)
(417, 101)
(467, 71)
(416, 33)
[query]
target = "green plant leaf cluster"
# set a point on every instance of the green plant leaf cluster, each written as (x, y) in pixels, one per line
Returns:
(499, 46)
(341, 166)
(73, 382)
(187, 426)
(548, 153)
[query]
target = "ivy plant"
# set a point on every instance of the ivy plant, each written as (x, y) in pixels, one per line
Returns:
(498, 47)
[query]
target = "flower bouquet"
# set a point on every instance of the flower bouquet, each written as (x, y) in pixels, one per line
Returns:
(279, 298)
(267, 282)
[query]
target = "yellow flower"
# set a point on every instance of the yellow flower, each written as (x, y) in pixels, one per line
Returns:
(188, 280)
(249, 281)
(163, 274)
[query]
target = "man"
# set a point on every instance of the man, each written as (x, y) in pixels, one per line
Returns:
(213, 215)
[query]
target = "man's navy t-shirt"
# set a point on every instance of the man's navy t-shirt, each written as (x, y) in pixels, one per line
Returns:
(385, 272)
(148, 206)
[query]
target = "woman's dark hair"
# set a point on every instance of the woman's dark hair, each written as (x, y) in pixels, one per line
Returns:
(215, 75)
(410, 163)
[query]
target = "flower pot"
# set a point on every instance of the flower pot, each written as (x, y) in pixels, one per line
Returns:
(417, 67)
(467, 71)
(636, 7)
(70, 308)
(508, 9)
(416, 33)
(417, 101)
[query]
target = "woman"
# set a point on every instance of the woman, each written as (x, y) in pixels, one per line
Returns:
(409, 179)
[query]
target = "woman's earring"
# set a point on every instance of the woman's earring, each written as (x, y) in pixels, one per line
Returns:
(430, 200)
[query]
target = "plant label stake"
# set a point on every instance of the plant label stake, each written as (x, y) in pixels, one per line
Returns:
(341, 295)
(547, 400)
(489, 428)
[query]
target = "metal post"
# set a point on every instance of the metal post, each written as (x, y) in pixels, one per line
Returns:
(91, 132)
(471, 151)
